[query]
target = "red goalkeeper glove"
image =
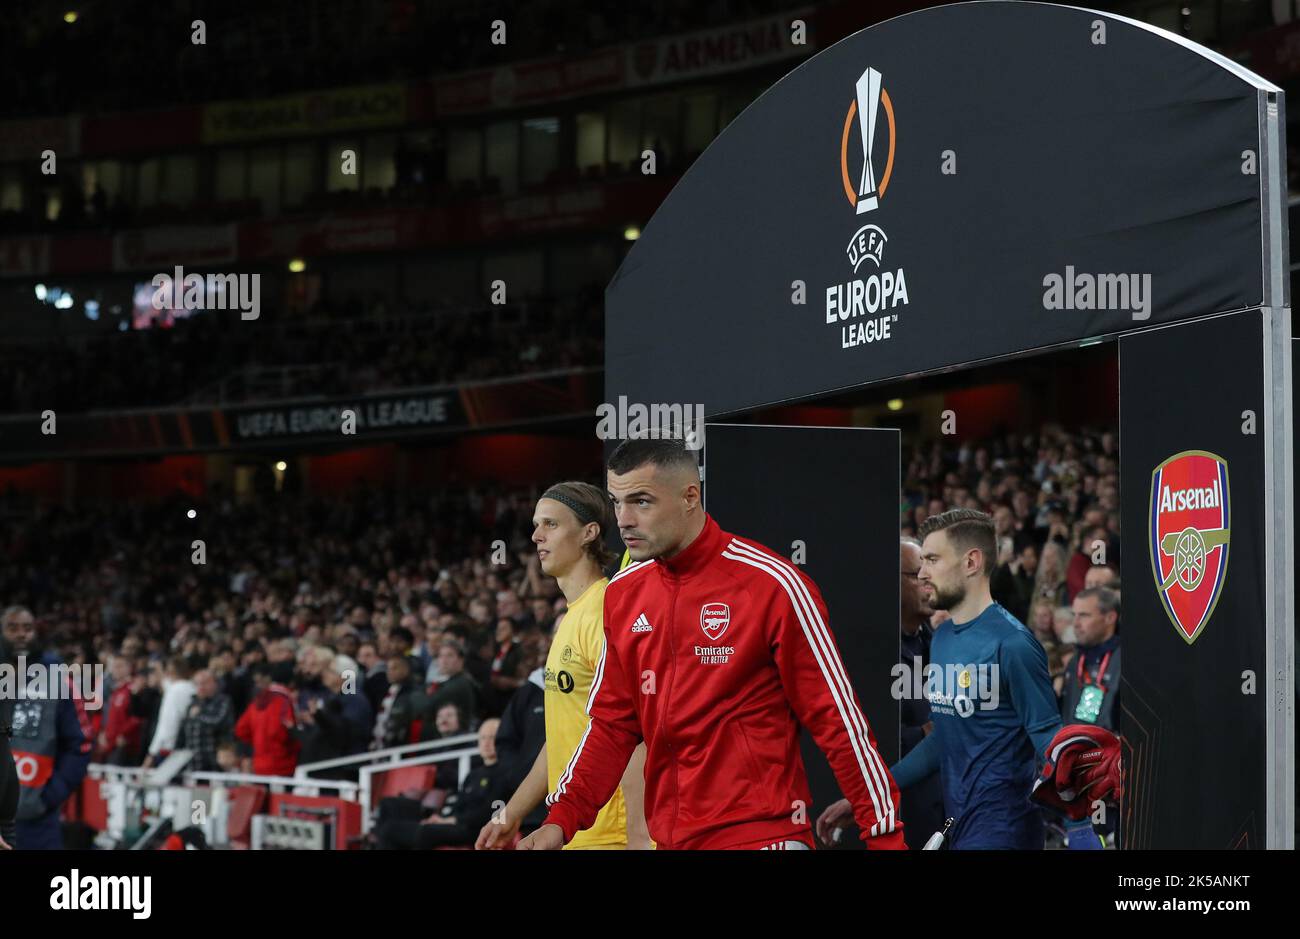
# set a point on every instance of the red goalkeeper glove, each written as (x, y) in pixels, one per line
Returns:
(1082, 765)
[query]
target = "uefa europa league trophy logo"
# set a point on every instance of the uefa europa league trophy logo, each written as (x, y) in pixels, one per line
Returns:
(868, 105)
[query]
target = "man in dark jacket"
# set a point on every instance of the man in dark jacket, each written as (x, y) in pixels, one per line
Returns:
(240, 685)
(209, 720)
(1013, 582)
(922, 808)
(462, 816)
(520, 738)
(144, 704)
(1091, 692)
(922, 803)
(323, 733)
(337, 724)
(401, 704)
(458, 688)
(51, 740)
(342, 680)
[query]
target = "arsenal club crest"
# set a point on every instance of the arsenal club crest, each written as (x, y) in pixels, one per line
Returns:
(1187, 536)
(714, 620)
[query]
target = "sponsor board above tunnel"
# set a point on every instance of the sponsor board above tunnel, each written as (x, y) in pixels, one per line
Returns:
(956, 184)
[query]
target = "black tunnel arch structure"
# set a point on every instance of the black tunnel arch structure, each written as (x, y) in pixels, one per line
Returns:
(973, 182)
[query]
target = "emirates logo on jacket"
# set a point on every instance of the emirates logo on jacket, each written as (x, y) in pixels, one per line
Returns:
(715, 655)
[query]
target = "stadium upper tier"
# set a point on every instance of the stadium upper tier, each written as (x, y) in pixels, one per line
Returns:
(103, 60)
(216, 358)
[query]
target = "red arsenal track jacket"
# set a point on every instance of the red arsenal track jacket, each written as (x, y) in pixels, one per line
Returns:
(715, 658)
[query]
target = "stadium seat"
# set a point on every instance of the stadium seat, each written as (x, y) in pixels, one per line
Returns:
(410, 781)
(245, 802)
(94, 808)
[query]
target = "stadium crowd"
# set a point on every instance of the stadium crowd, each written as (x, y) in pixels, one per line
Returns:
(320, 628)
(1054, 499)
(325, 629)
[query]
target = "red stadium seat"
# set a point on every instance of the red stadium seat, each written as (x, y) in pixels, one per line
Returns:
(245, 802)
(410, 781)
(94, 809)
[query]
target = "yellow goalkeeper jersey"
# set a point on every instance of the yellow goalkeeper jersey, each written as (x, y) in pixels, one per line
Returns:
(570, 666)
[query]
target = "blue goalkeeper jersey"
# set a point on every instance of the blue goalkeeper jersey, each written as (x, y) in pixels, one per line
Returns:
(994, 712)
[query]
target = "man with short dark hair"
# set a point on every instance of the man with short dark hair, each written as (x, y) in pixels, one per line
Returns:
(209, 721)
(990, 696)
(268, 722)
(402, 704)
(716, 652)
(1101, 575)
(1013, 582)
(923, 803)
(1091, 692)
(51, 737)
(400, 641)
(458, 688)
(375, 670)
